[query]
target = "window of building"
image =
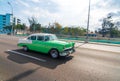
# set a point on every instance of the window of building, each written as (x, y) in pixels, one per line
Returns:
(4, 22)
(4, 18)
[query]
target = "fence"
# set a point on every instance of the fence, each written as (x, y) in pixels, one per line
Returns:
(91, 39)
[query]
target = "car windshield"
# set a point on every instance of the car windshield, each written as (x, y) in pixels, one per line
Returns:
(53, 37)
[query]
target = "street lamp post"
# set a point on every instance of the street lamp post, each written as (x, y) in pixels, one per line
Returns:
(86, 41)
(12, 31)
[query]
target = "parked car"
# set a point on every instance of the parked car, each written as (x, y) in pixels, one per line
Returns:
(47, 44)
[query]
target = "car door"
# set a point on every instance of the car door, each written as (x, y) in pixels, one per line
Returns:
(32, 46)
(40, 44)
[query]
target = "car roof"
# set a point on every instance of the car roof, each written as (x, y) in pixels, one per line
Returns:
(42, 34)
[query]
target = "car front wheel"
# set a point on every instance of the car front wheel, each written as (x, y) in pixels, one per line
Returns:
(54, 53)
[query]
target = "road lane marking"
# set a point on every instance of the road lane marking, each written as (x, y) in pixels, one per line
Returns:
(27, 55)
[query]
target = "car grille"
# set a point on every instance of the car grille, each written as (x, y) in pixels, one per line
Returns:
(68, 49)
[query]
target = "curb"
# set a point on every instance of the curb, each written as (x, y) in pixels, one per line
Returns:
(99, 50)
(116, 45)
(104, 44)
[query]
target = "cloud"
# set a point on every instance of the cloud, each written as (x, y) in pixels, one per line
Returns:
(44, 11)
(70, 12)
(35, 1)
(102, 8)
(43, 16)
(66, 12)
(75, 12)
(23, 3)
(115, 14)
(49, 5)
(114, 3)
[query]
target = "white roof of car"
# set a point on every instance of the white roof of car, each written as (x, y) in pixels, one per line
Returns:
(41, 34)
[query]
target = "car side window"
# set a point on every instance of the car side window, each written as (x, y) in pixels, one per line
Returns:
(33, 37)
(29, 38)
(47, 38)
(40, 38)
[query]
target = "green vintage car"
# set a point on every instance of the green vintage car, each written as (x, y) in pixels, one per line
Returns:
(47, 44)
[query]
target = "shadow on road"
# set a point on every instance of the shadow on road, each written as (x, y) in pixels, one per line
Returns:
(50, 63)
(23, 75)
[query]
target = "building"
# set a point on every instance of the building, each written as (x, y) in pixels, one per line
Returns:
(5, 23)
(91, 34)
(16, 21)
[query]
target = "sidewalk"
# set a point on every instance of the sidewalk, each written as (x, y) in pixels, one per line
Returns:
(98, 47)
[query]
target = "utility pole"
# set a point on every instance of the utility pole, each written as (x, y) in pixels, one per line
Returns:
(12, 31)
(86, 41)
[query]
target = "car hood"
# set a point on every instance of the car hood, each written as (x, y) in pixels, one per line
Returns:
(59, 42)
(63, 43)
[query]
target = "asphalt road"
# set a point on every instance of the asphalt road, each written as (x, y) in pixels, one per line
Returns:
(83, 65)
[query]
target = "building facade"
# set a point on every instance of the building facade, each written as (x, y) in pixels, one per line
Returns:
(5, 23)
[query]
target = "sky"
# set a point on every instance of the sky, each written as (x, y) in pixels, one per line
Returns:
(66, 12)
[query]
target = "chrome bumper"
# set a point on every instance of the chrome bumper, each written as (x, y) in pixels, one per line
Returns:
(67, 52)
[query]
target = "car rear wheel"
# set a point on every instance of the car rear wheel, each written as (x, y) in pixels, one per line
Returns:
(25, 48)
(54, 53)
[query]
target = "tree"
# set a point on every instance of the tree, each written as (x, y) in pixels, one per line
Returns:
(65, 30)
(74, 31)
(34, 25)
(20, 28)
(107, 26)
(110, 27)
(57, 27)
